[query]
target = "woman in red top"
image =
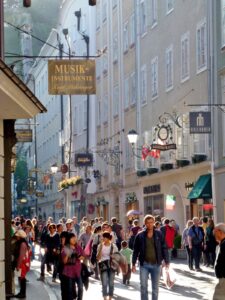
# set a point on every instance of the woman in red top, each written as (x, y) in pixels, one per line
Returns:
(72, 254)
(21, 261)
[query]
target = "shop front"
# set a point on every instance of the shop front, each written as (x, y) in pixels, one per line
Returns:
(201, 197)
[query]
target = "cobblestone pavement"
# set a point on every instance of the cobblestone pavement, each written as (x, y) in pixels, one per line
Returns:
(189, 285)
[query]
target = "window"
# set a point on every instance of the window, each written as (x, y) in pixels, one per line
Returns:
(126, 93)
(125, 37)
(85, 114)
(99, 117)
(80, 117)
(169, 6)
(143, 85)
(132, 30)
(105, 64)
(154, 205)
(169, 68)
(104, 11)
(185, 57)
(154, 77)
(114, 3)
(201, 47)
(128, 155)
(143, 17)
(183, 138)
(105, 109)
(75, 124)
(199, 143)
(132, 89)
(98, 68)
(115, 48)
(98, 18)
(154, 14)
(223, 23)
(115, 101)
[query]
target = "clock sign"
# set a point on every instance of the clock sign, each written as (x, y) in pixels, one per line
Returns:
(163, 133)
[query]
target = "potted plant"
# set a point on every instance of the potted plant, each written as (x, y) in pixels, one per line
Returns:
(197, 158)
(141, 173)
(152, 170)
(182, 163)
(166, 166)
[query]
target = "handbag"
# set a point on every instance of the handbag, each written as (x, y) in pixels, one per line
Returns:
(104, 265)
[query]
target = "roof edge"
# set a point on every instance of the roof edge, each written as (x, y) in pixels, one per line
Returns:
(22, 86)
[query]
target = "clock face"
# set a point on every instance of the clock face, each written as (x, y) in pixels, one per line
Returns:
(163, 133)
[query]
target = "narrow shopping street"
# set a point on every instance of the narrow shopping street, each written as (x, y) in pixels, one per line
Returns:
(189, 285)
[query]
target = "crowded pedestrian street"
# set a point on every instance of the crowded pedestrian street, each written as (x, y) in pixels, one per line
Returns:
(189, 285)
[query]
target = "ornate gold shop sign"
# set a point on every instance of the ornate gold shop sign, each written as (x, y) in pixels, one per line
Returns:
(71, 77)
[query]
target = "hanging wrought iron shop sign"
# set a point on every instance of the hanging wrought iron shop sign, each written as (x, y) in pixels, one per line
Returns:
(71, 77)
(83, 159)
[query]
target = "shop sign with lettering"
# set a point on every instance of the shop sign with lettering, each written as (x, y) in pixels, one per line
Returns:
(83, 159)
(200, 122)
(71, 77)
(151, 189)
(23, 135)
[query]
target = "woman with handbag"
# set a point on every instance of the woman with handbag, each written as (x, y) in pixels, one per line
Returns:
(107, 273)
(72, 254)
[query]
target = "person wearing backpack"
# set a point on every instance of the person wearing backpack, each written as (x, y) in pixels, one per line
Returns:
(196, 242)
(168, 232)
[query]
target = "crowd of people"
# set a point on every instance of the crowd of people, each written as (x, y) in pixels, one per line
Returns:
(74, 251)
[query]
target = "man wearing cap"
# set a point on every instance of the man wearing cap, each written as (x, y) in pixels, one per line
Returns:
(69, 226)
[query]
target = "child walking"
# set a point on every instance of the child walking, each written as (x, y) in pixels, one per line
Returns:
(127, 253)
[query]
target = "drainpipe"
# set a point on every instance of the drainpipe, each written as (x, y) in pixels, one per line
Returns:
(211, 93)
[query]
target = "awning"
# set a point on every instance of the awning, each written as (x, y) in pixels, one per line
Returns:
(202, 188)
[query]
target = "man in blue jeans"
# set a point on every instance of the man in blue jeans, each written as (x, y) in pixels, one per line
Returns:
(150, 248)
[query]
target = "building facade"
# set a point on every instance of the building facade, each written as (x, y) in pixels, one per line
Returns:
(155, 68)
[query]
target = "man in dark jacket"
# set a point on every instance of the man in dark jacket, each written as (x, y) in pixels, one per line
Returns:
(151, 250)
(219, 232)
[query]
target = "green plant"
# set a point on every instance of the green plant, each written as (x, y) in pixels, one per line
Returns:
(141, 173)
(177, 242)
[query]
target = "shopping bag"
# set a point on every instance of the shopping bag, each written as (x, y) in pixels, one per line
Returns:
(169, 276)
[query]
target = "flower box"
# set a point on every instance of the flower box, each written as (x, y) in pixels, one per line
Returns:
(152, 170)
(182, 163)
(166, 166)
(141, 173)
(197, 158)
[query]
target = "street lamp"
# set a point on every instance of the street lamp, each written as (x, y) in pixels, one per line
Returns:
(132, 139)
(54, 168)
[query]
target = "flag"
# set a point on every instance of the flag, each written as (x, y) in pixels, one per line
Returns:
(145, 152)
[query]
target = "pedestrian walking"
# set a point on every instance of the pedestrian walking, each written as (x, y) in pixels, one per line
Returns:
(185, 244)
(72, 254)
(211, 244)
(219, 232)
(107, 273)
(118, 229)
(21, 262)
(150, 248)
(196, 242)
(168, 233)
(127, 253)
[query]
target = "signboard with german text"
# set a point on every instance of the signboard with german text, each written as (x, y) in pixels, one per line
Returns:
(23, 135)
(164, 147)
(83, 159)
(71, 77)
(200, 122)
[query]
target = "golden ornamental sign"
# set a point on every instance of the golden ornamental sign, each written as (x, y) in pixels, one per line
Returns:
(71, 77)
